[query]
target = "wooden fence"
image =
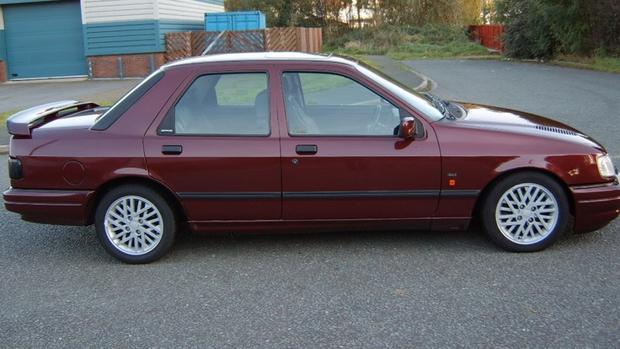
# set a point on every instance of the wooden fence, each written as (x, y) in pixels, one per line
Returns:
(488, 35)
(187, 44)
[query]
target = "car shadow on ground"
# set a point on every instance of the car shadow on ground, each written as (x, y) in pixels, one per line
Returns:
(68, 244)
(190, 246)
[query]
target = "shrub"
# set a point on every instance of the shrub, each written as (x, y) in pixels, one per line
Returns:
(545, 28)
(401, 41)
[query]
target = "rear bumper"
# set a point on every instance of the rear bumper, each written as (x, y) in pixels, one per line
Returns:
(66, 207)
(595, 205)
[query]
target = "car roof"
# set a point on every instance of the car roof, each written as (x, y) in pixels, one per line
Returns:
(264, 57)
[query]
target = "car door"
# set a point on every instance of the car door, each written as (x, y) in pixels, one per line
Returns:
(217, 146)
(340, 156)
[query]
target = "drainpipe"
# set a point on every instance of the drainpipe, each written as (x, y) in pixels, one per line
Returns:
(121, 69)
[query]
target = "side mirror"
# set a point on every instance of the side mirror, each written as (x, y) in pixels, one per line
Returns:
(407, 128)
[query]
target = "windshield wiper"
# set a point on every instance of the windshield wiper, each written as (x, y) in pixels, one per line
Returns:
(440, 104)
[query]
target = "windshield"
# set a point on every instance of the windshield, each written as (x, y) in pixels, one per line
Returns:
(407, 94)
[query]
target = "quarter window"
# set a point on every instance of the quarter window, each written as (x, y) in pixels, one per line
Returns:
(224, 104)
(331, 104)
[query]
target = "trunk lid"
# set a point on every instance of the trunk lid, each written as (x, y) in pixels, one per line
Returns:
(22, 123)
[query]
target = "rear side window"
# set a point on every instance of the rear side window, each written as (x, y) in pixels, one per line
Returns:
(223, 104)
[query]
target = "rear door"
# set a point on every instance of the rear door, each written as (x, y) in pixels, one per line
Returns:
(340, 156)
(218, 146)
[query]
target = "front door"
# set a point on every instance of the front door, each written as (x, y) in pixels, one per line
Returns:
(341, 158)
(218, 148)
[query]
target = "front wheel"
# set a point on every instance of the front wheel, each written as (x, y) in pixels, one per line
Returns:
(135, 224)
(525, 212)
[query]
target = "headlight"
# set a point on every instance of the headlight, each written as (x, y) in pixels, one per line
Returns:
(605, 166)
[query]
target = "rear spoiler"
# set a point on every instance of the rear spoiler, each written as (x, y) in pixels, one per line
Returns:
(20, 124)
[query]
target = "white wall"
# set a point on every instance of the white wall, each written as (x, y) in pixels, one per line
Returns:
(97, 11)
(185, 10)
(1, 19)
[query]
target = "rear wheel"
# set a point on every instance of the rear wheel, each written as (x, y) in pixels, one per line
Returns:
(135, 224)
(525, 212)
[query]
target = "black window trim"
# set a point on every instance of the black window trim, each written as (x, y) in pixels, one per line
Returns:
(170, 113)
(107, 119)
(419, 125)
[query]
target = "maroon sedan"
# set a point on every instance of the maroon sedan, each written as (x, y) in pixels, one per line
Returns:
(297, 142)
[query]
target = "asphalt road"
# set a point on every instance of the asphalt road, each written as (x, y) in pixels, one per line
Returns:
(349, 290)
(21, 95)
(585, 99)
(15, 96)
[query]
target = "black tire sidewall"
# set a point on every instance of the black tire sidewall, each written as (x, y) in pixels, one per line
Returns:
(169, 223)
(488, 211)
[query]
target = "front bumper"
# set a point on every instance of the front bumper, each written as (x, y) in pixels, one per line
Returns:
(596, 205)
(66, 207)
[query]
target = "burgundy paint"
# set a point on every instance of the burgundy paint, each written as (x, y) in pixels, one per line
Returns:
(473, 152)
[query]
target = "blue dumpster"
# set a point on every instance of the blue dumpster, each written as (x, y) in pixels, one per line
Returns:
(241, 20)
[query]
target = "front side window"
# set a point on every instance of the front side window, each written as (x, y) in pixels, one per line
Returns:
(224, 104)
(331, 104)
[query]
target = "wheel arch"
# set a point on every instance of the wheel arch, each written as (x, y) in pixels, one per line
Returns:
(487, 188)
(162, 189)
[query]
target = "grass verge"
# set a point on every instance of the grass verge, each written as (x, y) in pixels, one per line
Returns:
(5, 115)
(407, 42)
(601, 63)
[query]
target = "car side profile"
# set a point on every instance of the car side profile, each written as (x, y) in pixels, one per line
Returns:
(293, 142)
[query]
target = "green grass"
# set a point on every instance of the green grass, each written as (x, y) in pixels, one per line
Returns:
(600, 63)
(432, 51)
(404, 42)
(5, 114)
(421, 51)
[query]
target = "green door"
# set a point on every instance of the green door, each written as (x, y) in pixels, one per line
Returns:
(44, 39)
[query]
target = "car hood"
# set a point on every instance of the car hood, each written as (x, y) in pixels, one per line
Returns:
(508, 120)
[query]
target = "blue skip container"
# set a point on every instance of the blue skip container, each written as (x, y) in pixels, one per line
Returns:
(241, 20)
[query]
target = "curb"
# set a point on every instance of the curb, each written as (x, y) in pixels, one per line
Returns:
(4, 149)
(427, 83)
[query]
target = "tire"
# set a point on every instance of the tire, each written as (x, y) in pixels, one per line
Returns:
(525, 212)
(135, 224)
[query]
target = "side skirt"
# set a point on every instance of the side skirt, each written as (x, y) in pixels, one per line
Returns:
(320, 225)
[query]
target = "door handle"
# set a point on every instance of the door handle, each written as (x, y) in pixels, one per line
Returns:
(171, 149)
(306, 149)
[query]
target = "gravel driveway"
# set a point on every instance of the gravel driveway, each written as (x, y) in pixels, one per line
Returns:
(347, 290)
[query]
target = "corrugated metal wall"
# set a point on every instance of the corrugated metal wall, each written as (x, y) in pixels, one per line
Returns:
(187, 10)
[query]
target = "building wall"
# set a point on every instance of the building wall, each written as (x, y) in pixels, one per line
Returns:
(2, 39)
(127, 38)
(123, 27)
(98, 11)
(2, 49)
(128, 34)
(187, 10)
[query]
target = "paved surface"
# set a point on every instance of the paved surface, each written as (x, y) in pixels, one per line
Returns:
(397, 70)
(22, 95)
(585, 99)
(347, 290)
(15, 96)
